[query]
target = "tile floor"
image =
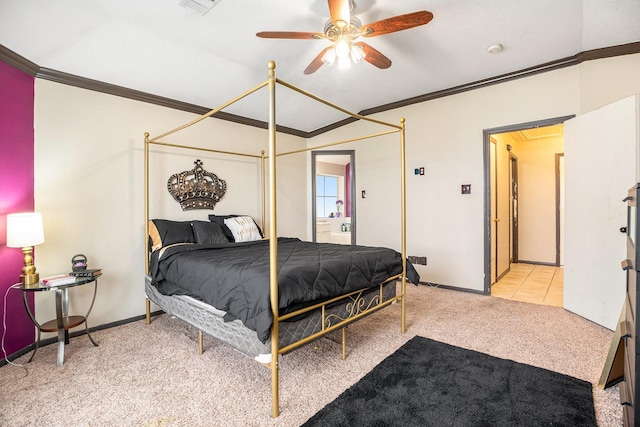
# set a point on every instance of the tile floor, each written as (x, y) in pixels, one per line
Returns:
(537, 284)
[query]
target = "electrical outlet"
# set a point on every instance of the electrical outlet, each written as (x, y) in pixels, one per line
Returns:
(466, 189)
(418, 260)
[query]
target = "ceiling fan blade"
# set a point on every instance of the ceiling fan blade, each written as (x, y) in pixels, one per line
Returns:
(397, 23)
(340, 11)
(317, 62)
(374, 56)
(288, 35)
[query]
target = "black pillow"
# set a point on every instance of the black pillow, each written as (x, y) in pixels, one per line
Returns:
(219, 219)
(163, 232)
(208, 233)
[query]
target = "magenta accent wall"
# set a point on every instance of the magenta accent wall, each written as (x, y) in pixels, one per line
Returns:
(16, 195)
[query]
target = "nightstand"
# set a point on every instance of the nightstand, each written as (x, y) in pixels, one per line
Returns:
(63, 321)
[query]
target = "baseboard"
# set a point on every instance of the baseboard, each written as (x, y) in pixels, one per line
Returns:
(504, 273)
(550, 264)
(453, 288)
(54, 340)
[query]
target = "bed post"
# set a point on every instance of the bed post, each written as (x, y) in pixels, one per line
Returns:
(403, 192)
(273, 243)
(146, 221)
(263, 188)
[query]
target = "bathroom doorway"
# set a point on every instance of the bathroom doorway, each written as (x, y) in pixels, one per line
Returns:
(333, 212)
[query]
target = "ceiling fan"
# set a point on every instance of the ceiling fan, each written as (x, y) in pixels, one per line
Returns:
(344, 28)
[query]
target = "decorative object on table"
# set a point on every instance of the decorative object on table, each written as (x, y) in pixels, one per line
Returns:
(90, 272)
(78, 263)
(339, 204)
(58, 279)
(25, 230)
(197, 188)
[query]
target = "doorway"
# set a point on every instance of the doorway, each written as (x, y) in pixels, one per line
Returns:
(520, 197)
(333, 213)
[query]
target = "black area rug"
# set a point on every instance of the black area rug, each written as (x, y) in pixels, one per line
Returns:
(429, 383)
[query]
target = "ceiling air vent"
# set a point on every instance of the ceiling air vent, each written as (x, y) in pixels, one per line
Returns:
(199, 6)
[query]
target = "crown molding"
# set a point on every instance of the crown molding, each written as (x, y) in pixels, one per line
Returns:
(98, 86)
(21, 63)
(607, 52)
(18, 61)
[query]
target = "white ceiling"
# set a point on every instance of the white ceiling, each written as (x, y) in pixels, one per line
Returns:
(159, 47)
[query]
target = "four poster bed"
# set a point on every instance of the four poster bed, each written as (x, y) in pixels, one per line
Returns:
(266, 296)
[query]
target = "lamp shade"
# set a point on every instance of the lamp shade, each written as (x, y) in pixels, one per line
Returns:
(24, 229)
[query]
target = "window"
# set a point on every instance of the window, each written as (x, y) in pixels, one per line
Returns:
(326, 195)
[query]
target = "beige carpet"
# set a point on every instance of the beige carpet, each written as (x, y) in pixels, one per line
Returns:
(153, 375)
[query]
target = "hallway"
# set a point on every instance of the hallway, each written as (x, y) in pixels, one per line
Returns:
(537, 284)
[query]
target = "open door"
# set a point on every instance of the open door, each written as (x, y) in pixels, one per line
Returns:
(494, 214)
(601, 161)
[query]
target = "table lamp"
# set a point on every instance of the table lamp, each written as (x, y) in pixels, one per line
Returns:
(24, 230)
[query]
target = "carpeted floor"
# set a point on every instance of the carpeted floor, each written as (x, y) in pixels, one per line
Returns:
(427, 383)
(153, 375)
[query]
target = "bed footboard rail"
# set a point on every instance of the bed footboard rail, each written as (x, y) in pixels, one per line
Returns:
(357, 307)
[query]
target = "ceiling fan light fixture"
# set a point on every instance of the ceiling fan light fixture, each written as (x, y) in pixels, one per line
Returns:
(342, 31)
(329, 57)
(357, 54)
(342, 48)
(344, 63)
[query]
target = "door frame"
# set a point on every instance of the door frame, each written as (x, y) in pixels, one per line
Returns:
(352, 178)
(493, 208)
(486, 138)
(559, 196)
(513, 205)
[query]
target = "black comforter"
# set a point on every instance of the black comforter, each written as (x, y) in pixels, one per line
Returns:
(235, 277)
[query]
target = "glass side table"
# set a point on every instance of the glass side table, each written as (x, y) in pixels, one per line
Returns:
(63, 321)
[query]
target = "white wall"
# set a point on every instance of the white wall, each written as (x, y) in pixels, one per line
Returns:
(89, 174)
(89, 187)
(537, 199)
(445, 135)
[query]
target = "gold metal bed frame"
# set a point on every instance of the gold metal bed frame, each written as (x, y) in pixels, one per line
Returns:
(329, 323)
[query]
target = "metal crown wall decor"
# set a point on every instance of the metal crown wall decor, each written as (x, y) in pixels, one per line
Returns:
(197, 188)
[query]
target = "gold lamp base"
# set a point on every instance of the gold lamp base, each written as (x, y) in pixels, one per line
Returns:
(29, 278)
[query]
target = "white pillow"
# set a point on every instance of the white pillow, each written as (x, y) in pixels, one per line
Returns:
(243, 228)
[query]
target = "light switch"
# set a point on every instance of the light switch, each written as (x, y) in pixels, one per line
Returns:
(466, 189)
